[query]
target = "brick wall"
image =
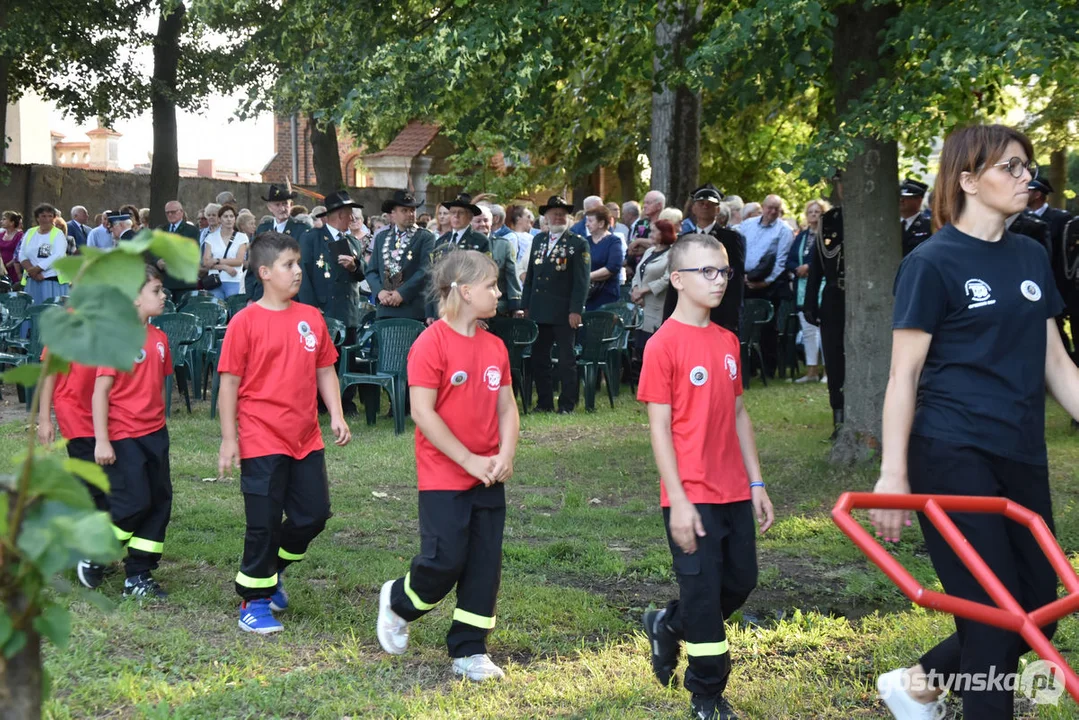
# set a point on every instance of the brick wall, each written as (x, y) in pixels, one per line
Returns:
(281, 166)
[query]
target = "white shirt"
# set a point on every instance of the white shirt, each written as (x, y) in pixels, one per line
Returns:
(280, 227)
(41, 251)
(217, 251)
(1041, 211)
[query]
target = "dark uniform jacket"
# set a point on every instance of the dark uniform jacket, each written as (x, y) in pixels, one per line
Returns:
(470, 240)
(557, 282)
(826, 264)
(252, 284)
(728, 314)
(410, 281)
(918, 232)
(185, 229)
(326, 284)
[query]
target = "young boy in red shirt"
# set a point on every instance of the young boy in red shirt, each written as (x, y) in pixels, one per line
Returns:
(466, 437)
(132, 444)
(71, 394)
(711, 487)
(276, 359)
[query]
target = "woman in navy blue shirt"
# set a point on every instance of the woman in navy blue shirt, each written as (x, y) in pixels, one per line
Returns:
(974, 348)
(607, 258)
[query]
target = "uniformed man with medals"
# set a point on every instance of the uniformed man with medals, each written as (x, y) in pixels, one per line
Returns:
(332, 269)
(279, 203)
(554, 293)
(916, 227)
(460, 237)
(400, 259)
(826, 265)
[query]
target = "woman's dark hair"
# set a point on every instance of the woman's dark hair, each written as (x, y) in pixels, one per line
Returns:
(972, 150)
(297, 210)
(667, 235)
(600, 213)
(45, 208)
(132, 211)
(514, 213)
(14, 218)
(228, 206)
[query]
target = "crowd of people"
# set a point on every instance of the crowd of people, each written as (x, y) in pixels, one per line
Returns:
(975, 348)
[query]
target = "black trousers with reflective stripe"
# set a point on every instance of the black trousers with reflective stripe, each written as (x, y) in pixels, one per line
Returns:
(713, 583)
(1010, 550)
(833, 321)
(460, 544)
(140, 497)
(83, 449)
(273, 484)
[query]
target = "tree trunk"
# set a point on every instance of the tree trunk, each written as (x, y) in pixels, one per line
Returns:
(871, 236)
(627, 178)
(165, 167)
(675, 152)
(5, 64)
(326, 158)
(20, 682)
(1058, 176)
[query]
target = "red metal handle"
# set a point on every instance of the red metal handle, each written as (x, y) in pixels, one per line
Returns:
(1008, 614)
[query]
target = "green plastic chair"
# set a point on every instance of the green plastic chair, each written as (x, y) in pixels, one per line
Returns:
(391, 340)
(518, 335)
(336, 329)
(210, 317)
(599, 336)
(756, 314)
(60, 300)
(183, 331)
(5, 285)
(23, 351)
(18, 306)
(235, 304)
(632, 316)
(170, 306)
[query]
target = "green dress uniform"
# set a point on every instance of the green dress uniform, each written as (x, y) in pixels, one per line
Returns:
(326, 284)
(400, 262)
(509, 281)
(295, 228)
(467, 239)
(556, 285)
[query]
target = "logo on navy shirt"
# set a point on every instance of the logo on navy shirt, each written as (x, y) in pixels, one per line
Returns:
(732, 366)
(1031, 291)
(493, 376)
(979, 292)
(458, 378)
(698, 375)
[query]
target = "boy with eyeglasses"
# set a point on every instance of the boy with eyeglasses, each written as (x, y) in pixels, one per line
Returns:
(711, 486)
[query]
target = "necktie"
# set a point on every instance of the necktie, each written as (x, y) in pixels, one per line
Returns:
(172, 228)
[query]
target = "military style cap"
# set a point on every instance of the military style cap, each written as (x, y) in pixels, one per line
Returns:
(912, 188)
(1041, 184)
(554, 202)
(338, 200)
(401, 198)
(464, 200)
(279, 192)
(708, 193)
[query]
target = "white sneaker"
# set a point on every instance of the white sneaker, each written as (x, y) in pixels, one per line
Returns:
(805, 379)
(391, 628)
(901, 704)
(478, 668)
(824, 379)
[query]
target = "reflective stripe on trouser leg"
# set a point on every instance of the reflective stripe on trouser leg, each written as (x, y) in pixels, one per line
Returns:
(414, 598)
(122, 535)
(147, 546)
(486, 623)
(709, 649)
(256, 583)
(291, 557)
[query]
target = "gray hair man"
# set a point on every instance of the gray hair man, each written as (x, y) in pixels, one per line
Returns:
(77, 227)
(498, 221)
(579, 227)
(736, 204)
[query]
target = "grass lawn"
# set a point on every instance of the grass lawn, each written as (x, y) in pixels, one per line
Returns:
(585, 555)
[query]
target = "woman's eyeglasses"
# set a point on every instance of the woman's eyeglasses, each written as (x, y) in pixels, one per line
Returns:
(1016, 166)
(710, 273)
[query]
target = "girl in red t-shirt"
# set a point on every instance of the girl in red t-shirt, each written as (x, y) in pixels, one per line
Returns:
(466, 436)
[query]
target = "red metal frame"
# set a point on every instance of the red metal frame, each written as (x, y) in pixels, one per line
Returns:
(1008, 614)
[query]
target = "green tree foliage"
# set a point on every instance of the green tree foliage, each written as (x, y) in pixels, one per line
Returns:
(48, 521)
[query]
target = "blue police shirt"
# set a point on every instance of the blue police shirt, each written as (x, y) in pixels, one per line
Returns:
(986, 306)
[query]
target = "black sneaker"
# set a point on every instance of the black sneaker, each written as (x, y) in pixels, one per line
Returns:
(90, 574)
(710, 707)
(662, 645)
(144, 587)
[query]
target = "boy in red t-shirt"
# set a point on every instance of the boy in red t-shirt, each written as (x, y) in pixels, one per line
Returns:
(711, 484)
(71, 394)
(132, 444)
(466, 437)
(276, 359)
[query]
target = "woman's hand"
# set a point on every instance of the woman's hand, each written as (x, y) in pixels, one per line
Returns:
(889, 523)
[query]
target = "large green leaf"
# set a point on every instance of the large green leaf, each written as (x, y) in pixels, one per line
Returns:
(15, 643)
(26, 375)
(6, 626)
(54, 622)
(88, 471)
(124, 271)
(181, 255)
(102, 328)
(92, 537)
(50, 479)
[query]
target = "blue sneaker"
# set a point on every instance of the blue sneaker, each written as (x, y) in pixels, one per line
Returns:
(279, 599)
(256, 617)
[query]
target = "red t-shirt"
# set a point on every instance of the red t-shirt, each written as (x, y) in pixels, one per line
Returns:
(696, 371)
(72, 400)
(468, 373)
(276, 354)
(136, 402)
